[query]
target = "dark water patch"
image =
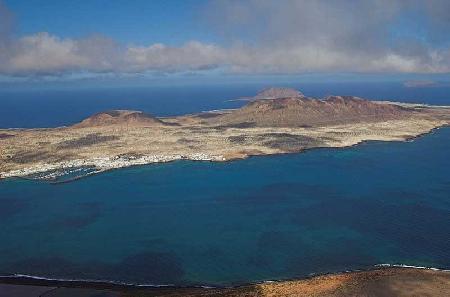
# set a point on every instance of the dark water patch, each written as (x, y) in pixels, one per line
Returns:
(260, 260)
(11, 206)
(403, 195)
(157, 267)
(142, 268)
(9, 253)
(300, 190)
(213, 252)
(153, 243)
(408, 226)
(276, 192)
(273, 249)
(335, 258)
(274, 240)
(442, 189)
(299, 255)
(81, 216)
(48, 267)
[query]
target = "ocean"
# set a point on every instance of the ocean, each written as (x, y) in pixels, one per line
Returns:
(204, 223)
(52, 108)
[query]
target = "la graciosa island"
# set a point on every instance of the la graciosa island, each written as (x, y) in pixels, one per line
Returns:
(275, 121)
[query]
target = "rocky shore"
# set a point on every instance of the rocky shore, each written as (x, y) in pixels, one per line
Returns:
(379, 282)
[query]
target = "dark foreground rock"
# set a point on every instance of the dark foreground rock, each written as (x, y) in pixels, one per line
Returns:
(384, 282)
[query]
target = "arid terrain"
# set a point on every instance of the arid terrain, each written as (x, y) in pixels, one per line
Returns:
(269, 124)
(386, 282)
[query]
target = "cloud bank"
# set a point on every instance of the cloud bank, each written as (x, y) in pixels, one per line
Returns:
(258, 36)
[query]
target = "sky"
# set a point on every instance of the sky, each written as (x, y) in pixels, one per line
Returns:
(197, 40)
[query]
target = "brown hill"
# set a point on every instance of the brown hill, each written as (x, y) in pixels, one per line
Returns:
(119, 117)
(276, 93)
(306, 112)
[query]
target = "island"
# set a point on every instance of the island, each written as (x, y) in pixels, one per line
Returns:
(275, 121)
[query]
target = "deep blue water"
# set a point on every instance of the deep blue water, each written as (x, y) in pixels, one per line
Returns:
(270, 217)
(50, 108)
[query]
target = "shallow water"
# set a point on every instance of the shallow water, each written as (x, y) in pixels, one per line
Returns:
(271, 217)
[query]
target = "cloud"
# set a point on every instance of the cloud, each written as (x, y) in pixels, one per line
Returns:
(300, 36)
(258, 36)
(193, 55)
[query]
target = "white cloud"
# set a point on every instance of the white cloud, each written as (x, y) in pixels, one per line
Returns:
(43, 52)
(291, 36)
(193, 55)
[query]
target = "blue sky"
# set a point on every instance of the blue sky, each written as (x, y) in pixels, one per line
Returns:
(137, 21)
(200, 39)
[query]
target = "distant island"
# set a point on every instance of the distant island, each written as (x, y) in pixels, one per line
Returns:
(275, 121)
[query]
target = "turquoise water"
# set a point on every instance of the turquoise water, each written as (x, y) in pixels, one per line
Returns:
(270, 217)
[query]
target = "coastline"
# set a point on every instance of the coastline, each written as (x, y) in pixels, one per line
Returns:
(123, 138)
(355, 277)
(104, 164)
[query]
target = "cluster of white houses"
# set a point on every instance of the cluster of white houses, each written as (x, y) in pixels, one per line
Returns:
(107, 163)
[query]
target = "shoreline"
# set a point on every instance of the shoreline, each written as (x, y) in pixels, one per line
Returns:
(117, 286)
(105, 164)
(124, 138)
(34, 279)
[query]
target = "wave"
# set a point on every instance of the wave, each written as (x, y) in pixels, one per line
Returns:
(411, 266)
(110, 283)
(100, 282)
